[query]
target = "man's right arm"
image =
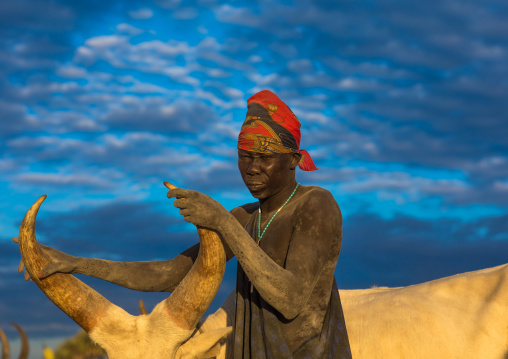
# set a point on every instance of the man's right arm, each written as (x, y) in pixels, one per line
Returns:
(147, 276)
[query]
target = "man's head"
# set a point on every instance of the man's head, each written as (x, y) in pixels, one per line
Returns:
(271, 127)
(268, 146)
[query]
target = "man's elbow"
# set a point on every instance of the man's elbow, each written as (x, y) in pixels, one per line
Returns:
(290, 309)
(289, 313)
(290, 302)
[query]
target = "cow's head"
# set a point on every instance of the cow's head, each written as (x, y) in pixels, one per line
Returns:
(165, 332)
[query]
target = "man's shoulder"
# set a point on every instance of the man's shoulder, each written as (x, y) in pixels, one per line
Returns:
(244, 212)
(318, 200)
(315, 193)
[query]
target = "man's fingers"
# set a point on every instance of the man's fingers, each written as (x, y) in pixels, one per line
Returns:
(49, 270)
(181, 203)
(185, 212)
(15, 240)
(27, 275)
(180, 193)
(21, 266)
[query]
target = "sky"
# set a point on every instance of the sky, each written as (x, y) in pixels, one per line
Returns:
(402, 104)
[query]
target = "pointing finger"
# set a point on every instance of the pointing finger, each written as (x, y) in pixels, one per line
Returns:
(169, 185)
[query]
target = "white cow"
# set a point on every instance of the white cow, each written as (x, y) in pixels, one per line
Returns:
(165, 332)
(464, 316)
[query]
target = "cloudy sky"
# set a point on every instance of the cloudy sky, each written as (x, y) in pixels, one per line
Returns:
(402, 103)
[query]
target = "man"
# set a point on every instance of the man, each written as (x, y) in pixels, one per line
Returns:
(287, 245)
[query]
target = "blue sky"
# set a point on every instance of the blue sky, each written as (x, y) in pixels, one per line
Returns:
(402, 103)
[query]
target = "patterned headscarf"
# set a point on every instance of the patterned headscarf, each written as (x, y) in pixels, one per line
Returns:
(271, 126)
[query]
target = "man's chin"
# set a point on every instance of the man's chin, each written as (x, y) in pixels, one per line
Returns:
(257, 192)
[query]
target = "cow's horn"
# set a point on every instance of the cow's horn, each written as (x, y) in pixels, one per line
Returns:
(5, 345)
(24, 341)
(142, 308)
(195, 293)
(80, 302)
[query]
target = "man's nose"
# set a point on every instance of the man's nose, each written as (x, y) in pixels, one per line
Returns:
(254, 167)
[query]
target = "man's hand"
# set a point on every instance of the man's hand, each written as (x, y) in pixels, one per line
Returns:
(198, 208)
(61, 262)
(21, 265)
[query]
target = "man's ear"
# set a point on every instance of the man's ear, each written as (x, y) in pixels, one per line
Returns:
(296, 157)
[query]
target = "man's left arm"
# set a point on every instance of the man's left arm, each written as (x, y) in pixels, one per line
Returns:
(286, 289)
(316, 226)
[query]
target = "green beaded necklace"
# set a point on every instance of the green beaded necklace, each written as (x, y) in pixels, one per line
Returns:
(271, 219)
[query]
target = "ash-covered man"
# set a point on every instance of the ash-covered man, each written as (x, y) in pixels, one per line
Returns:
(287, 245)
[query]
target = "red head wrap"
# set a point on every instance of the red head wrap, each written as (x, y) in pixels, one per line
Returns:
(271, 126)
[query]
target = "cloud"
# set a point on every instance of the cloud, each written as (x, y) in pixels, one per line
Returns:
(129, 29)
(72, 72)
(141, 14)
(186, 13)
(26, 15)
(58, 180)
(404, 251)
(158, 116)
(16, 120)
(102, 164)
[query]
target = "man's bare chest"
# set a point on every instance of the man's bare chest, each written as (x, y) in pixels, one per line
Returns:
(274, 237)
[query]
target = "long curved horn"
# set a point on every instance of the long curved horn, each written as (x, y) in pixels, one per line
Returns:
(80, 302)
(195, 293)
(142, 309)
(86, 307)
(24, 341)
(5, 345)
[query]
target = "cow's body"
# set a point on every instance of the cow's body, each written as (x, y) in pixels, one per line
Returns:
(463, 316)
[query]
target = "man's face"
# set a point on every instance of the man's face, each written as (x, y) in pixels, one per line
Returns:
(265, 174)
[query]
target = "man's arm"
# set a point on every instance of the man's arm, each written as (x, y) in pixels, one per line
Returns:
(148, 276)
(286, 289)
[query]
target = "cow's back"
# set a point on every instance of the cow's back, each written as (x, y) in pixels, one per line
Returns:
(462, 316)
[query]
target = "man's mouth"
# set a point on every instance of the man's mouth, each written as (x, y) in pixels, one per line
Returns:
(254, 185)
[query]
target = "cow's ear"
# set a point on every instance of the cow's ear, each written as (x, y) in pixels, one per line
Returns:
(205, 345)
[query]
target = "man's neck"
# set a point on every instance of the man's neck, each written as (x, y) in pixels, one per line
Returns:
(273, 203)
